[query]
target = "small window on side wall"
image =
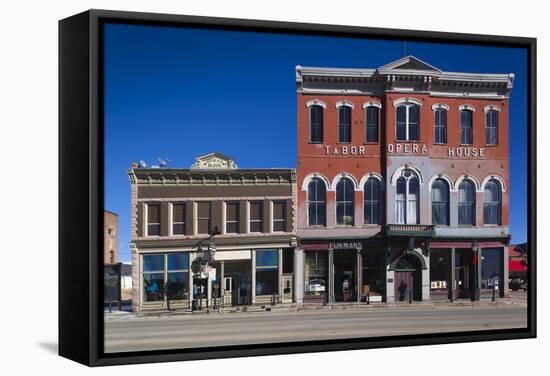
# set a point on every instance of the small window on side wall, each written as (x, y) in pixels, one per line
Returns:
(316, 123)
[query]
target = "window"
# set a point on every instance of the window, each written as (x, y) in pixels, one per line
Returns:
(203, 217)
(165, 277)
(466, 127)
(111, 231)
(371, 124)
(407, 122)
(440, 126)
(316, 123)
(315, 274)
(111, 257)
(466, 203)
(178, 219)
(491, 203)
(491, 127)
(492, 270)
(440, 202)
(279, 216)
(344, 202)
(371, 205)
(153, 278)
(267, 275)
(256, 216)
(316, 202)
(231, 217)
(153, 219)
(344, 124)
(407, 198)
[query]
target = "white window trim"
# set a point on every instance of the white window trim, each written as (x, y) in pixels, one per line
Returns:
(466, 107)
(342, 175)
(224, 216)
(407, 185)
(438, 106)
(171, 218)
(248, 217)
(443, 177)
(372, 104)
(407, 100)
(495, 177)
(195, 219)
(408, 105)
(146, 219)
(273, 218)
(491, 107)
(375, 175)
(344, 103)
(313, 175)
(473, 179)
(316, 102)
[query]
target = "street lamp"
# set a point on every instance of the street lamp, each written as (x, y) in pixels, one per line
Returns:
(200, 265)
(475, 262)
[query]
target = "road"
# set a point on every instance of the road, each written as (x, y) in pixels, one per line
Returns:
(186, 331)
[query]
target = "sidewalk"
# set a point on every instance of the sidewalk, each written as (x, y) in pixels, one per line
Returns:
(294, 307)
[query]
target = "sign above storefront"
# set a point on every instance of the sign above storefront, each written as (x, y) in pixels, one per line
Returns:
(405, 148)
(345, 245)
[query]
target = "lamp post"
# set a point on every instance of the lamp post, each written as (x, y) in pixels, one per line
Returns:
(200, 265)
(475, 262)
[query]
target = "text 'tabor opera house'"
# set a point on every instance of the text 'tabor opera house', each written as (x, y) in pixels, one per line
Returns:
(402, 183)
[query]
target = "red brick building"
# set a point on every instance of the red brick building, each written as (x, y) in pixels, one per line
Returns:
(403, 183)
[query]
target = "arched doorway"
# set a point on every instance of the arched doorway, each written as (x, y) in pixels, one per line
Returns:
(407, 278)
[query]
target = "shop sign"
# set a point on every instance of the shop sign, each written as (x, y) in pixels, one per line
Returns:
(407, 148)
(345, 245)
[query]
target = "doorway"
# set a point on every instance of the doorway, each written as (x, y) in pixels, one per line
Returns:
(408, 279)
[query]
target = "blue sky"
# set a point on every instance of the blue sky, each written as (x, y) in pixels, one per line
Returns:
(177, 93)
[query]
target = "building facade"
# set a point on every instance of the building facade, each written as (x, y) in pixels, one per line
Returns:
(173, 210)
(110, 238)
(402, 183)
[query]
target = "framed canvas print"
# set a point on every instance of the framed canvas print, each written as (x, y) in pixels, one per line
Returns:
(242, 187)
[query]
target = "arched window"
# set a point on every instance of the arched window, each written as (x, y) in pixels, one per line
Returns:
(407, 122)
(345, 202)
(316, 202)
(344, 123)
(492, 199)
(440, 202)
(316, 123)
(371, 203)
(491, 127)
(407, 198)
(371, 124)
(467, 203)
(466, 127)
(440, 126)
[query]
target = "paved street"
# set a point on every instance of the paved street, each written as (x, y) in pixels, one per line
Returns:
(185, 331)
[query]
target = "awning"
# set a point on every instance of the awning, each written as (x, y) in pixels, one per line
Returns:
(517, 266)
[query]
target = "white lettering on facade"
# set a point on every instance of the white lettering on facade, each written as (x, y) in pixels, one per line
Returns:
(465, 152)
(361, 150)
(344, 150)
(390, 148)
(405, 148)
(415, 148)
(353, 150)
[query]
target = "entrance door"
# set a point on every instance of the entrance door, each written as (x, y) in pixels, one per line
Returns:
(408, 279)
(228, 283)
(404, 283)
(287, 288)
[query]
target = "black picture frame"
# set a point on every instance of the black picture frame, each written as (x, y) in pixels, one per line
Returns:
(81, 187)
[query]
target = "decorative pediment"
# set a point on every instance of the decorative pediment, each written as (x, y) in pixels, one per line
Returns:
(409, 63)
(214, 161)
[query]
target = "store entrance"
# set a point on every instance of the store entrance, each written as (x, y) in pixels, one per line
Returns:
(463, 276)
(345, 276)
(408, 279)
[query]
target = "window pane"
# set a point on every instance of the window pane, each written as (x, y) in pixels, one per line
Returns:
(153, 287)
(492, 274)
(178, 229)
(414, 134)
(232, 227)
(232, 211)
(279, 210)
(256, 210)
(178, 261)
(255, 226)
(203, 226)
(153, 213)
(178, 286)
(316, 123)
(267, 282)
(153, 263)
(466, 135)
(178, 212)
(203, 209)
(315, 274)
(372, 201)
(267, 258)
(401, 125)
(372, 124)
(344, 124)
(153, 230)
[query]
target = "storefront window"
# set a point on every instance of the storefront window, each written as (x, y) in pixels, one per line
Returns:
(374, 273)
(345, 276)
(440, 270)
(492, 270)
(165, 276)
(267, 273)
(315, 274)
